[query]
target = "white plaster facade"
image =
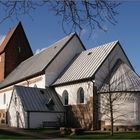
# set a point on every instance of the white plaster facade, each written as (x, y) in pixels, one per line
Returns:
(72, 90)
(17, 117)
(126, 110)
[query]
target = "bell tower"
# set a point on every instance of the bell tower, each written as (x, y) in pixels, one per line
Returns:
(14, 49)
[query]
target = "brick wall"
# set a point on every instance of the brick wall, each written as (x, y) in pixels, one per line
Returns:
(2, 60)
(80, 116)
(2, 117)
(16, 51)
(83, 115)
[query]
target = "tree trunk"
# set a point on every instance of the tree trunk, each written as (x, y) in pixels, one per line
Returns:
(111, 114)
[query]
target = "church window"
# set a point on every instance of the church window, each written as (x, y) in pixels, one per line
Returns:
(80, 95)
(4, 98)
(65, 97)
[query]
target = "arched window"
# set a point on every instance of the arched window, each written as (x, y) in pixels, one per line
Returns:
(65, 97)
(4, 98)
(80, 95)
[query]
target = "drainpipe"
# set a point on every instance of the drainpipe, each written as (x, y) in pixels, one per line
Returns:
(94, 107)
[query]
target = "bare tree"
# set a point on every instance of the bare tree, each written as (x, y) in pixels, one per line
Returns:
(114, 92)
(78, 14)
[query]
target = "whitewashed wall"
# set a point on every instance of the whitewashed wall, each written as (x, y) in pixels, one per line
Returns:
(127, 107)
(38, 81)
(8, 97)
(72, 90)
(62, 60)
(12, 113)
(101, 74)
(37, 118)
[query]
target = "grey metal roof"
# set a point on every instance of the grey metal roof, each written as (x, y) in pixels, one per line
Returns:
(36, 63)
(35, 99)
(85, 65)
(123, 78)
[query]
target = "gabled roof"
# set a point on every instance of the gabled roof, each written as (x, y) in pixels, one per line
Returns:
(122, 79)
(37, 99)
(8, 37)
(37, 63)
(86, 64)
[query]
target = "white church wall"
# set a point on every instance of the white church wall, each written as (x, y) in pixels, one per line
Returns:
(126, 110)
(37, 118)
(17, 117)
(57, 66)
(72, 90)
(101, 74)
(4, 101)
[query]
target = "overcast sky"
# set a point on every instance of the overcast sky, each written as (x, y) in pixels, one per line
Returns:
(44, 29)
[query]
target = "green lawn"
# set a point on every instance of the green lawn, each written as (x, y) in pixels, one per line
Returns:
(12, 135)
(55, 133)
(100, 135)
(30, 134)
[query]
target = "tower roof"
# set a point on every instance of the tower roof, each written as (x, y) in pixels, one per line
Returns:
(8, 37)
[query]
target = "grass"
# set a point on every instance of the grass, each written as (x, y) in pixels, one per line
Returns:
(100, 135)
(50, 132)
(12, 135)
(54, 133)
(29, 134)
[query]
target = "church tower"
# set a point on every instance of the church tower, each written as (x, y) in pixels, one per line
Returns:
(14, 49)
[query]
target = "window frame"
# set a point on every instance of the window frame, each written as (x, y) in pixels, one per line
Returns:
(65, 98)
(80, 96)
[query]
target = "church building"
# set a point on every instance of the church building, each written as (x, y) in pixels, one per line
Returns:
(66, 84)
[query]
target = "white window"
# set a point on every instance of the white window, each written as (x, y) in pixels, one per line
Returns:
(65, 97)
(80, 95)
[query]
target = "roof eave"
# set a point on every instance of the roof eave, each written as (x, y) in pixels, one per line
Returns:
(21, 80)
(73, 82)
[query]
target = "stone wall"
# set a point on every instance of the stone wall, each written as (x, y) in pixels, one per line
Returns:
(83, 115)
(2, 117)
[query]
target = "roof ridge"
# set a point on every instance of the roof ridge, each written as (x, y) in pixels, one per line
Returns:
(52, 45)
(70, 35)
(101, 45)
